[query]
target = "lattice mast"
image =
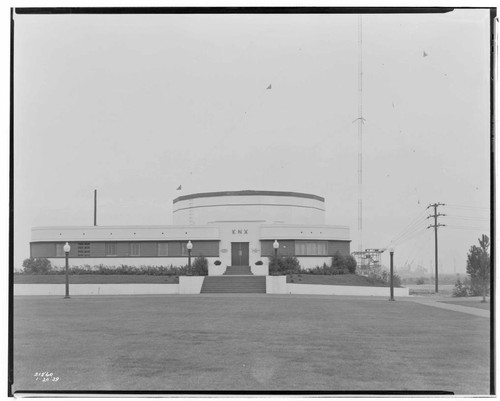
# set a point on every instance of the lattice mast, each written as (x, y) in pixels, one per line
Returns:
(360, 138)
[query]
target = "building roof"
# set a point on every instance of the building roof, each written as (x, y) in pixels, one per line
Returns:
(248, 193)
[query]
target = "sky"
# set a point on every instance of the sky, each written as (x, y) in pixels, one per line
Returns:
(136, 105)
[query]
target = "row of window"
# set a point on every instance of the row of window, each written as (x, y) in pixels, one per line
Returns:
(311, 248)
(179, 249)
(134, 249)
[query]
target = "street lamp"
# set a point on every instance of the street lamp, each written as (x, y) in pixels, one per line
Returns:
(276, 245)
(189, 246)
(67, 248)
(391, 251)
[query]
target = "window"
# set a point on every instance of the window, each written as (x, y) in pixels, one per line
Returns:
(311, 248)
(110, 249)
(83, 249)
(184, 250)
(135, 249)
(162, 248)
(60, 250)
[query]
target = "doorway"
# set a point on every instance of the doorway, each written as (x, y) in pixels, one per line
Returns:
(239, 254)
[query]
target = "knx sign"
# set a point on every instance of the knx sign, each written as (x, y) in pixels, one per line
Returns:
(240, 231)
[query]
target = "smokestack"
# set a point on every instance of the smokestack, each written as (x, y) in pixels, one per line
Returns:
(95, 207)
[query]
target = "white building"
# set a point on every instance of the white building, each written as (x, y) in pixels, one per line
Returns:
(237, 228)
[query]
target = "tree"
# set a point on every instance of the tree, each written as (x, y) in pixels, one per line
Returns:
(36, 266)
(200, 266)
(343, 264)
(350, 263)
(478, 267)
(283, 265)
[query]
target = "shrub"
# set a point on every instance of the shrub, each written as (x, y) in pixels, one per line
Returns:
(283, 265)
(200, 266)
(461, 289)
(385, 276)
(36, 266)
(420, 281)
(340, 265)
(343, 264)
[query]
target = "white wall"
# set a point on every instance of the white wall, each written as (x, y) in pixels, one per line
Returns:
(190, 285)
(117, 233)
(95, 289)
(276, 285)
(303, 231)
(214, 270)
(320, 289)
(268, 208)
(262, 270)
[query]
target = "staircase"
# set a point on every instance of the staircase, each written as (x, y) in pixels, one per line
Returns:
(234, 284)
(238, 271)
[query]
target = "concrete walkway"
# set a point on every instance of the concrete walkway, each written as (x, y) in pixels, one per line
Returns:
(435, 302)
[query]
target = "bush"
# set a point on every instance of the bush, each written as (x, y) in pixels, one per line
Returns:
(461, 289)
(340, 265)
(199, 266)
(420, 281)
(122, 269)
(37, 266)
(282, 265)
(385, 276)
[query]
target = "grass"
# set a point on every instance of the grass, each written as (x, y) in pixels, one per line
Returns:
(476, 303)
(247, 342)
(429, 289)
(338, 279)
(94, 279)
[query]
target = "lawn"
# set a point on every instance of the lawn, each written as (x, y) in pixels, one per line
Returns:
(247, 342)
(470, 303)
(338, 279)
(94, 279)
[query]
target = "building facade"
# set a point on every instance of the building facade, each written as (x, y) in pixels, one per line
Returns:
(237, 228)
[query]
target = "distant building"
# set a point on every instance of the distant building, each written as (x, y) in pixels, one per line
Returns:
(238, 228)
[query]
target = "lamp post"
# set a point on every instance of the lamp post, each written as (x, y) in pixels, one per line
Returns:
(189, 247)
(391, 250)
(276, 245)
(67, 248)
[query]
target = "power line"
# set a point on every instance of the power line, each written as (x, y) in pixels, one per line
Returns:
(467, 218)
(452, 206)
(411, 227)
(415, 222)
(411, 236)
(466, 227)
(417, 248)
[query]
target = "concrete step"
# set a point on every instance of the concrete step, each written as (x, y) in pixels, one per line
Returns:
(234, 284)
(238, 270)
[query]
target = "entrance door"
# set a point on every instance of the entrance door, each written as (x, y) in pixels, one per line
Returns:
(239, 254)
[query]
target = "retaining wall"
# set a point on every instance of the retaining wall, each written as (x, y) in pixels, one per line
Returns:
(192, 285)
(96, 289)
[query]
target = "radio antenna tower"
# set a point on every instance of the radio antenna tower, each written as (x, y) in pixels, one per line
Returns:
(360, 137)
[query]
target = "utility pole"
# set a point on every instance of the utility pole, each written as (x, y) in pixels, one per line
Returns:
(436, 225)
(95, 207)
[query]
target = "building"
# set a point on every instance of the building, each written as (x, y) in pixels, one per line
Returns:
(237, 228)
